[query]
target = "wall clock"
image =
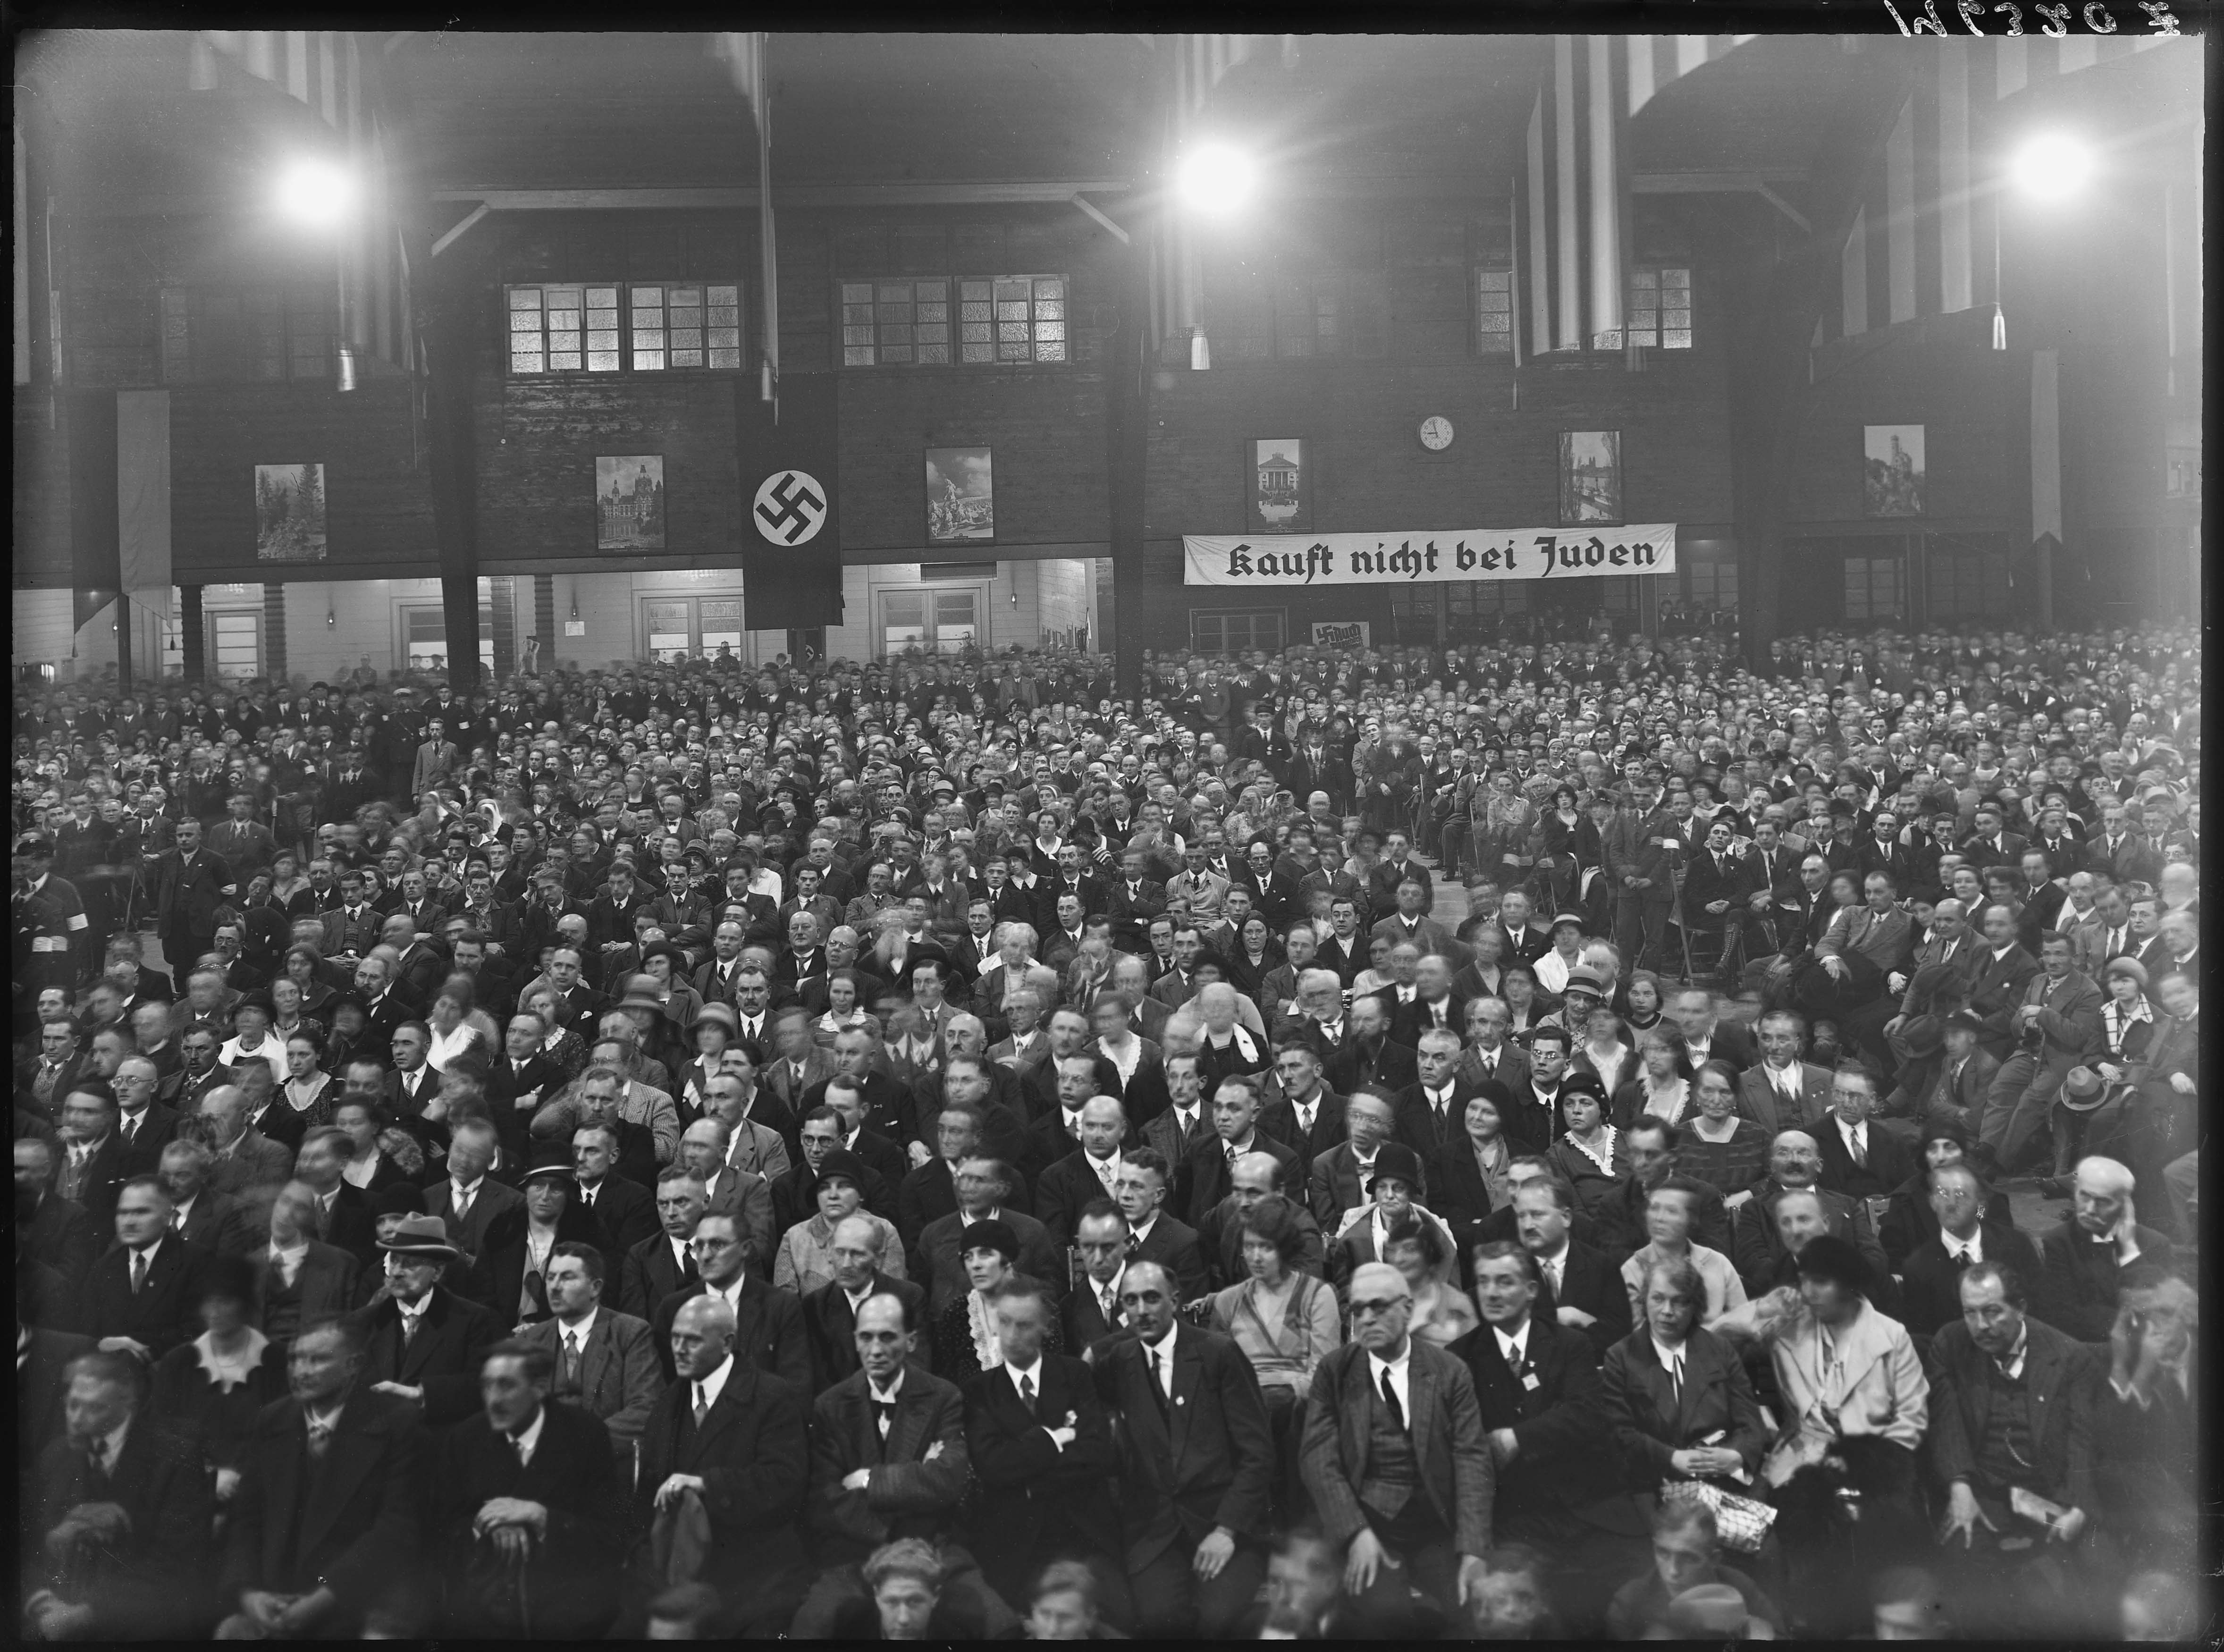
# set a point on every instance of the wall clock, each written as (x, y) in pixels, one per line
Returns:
(1436, 432)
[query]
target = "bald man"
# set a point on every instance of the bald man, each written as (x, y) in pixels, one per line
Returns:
(730, 1439)
(1795, 1160)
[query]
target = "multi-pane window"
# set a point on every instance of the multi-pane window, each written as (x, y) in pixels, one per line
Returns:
(1659, 306)
(1872, 589)
(999, 320)
(1029, 318)
(564, 329)
(896, 323)
(666, 326)
(1494, 312)
(234, 334)
(1711, 583)
(1234, 631)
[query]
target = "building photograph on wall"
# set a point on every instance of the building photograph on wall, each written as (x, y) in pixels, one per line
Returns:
(961, 496)
(1892, 470)
(629, 503)
(289, 513)
(1590, 476)
(1279, 496)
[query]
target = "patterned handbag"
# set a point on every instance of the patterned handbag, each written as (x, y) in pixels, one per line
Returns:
(1742, 1523)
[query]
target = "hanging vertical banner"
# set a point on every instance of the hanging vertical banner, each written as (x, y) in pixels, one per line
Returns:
(791, 529)
(143, 496)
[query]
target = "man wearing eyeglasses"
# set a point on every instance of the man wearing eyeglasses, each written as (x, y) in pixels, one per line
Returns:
(1396, 1459)
(768, 1326)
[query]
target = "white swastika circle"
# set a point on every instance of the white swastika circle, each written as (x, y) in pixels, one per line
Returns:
(791, 507)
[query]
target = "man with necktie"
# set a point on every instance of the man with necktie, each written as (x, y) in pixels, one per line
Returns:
(1198, 1460)
(354, 1567)
(601, 1361)
(725, 1452)
(526, 1508)
(121, 1525)
(1930, 1277)
(888, 1462)
(1396, 1459)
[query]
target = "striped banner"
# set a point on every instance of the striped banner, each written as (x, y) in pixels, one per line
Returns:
(1568, 200)
(1920, 245)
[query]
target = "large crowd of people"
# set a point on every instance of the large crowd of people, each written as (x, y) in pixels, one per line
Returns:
(1509, 1142)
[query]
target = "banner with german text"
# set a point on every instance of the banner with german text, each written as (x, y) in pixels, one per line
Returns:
(1299, 562)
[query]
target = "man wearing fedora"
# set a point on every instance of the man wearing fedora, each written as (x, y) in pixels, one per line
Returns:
(424, 1343)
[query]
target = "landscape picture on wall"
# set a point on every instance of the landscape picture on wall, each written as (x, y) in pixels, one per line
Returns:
(1892, 470)
(961, 496)
(629, 503)
(1278, 498)
(289, 513)
(1590, 476)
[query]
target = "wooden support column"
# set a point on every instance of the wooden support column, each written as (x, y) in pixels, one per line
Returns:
(1127, 407)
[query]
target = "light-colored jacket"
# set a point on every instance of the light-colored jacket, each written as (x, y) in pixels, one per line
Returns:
(1875, 1384)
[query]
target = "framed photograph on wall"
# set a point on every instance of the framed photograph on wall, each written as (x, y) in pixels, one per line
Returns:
(629, 503)
(961, 496)
(1590, 476)
(289, 513)
(1892, 470)
(1280, 499)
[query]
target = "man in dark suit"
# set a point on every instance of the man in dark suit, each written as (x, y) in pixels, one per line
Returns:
(1306, 1115)
(769, 1331)
(245, 1157)
(142, 1581)
(424, 1343)
(90, 1174)
(1997, 984)
(190, 882)
(624, 1211)
(2082, 1262)
(142, 1297)
(1432, 1110)
(663, 1263)
(1140, 1192)
(1543, 1408)
(299, 1280)
(473, 1203)
(1086, 1174)
(726, 1449)
(982, 1186)
(526, 1508)
(53, 1229)
(829, 1312)
(1203, 1179)
(1931, 1278)
(1396, 1459)
(1583, 1287)
(1132, 901)
(888, 1461)
(343, 1215)
(1717, 884)
(1860, 1158)
(1197, 1459)
(2012, 1406)
(2055, 1028)
(323, 1533)
(1042, 1454)
(1795, 1165)
(523, 1074)
(1368, 1054)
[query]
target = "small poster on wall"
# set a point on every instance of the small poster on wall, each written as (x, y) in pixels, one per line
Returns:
(1590, 476)
(1280, 500)
(289, 513)
(629, 503)
(961, 496)
(1354, 634)
(1892, 470)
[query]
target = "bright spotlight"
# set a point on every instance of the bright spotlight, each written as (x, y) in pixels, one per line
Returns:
(315, 192)
(2052, 167)
(1215, 178)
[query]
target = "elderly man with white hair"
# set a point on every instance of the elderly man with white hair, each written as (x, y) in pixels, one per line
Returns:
(2085, 1260)
(1396, 1459)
